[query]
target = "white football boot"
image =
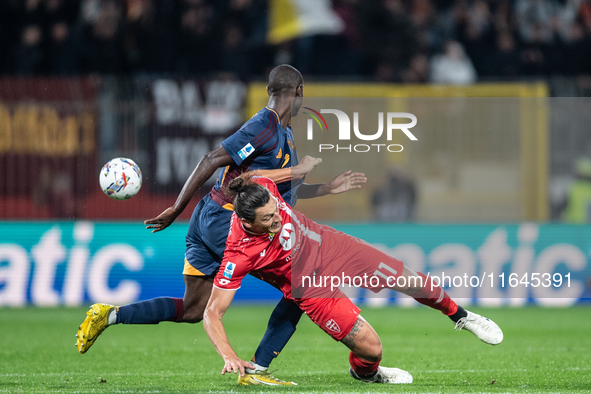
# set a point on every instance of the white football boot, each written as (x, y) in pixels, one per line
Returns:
(485, 329)
(386, 375)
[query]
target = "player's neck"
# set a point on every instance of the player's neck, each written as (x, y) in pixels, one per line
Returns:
(282, 105)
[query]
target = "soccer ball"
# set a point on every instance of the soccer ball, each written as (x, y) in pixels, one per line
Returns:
(120, 178)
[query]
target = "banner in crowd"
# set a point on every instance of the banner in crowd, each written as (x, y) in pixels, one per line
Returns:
(48, 138)
(290, 19)
(76, 263)
(190, 118)
(50, 122)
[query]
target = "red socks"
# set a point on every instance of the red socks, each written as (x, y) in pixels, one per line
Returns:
(436, 298)
(362, 368)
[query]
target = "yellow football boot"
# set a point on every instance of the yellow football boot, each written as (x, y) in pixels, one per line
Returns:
(94, 324)
(262, 378)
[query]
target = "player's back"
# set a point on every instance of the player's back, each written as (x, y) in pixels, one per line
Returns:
(261, 143)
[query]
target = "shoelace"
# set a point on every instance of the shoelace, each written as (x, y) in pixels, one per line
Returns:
(464, 320)
(460, 324)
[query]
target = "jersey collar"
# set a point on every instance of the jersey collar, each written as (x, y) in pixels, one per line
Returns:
(276, 114)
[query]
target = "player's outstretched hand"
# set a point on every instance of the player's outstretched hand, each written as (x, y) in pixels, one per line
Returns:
(348, 180)
(236, 365)
(162, 221)
(305, 166)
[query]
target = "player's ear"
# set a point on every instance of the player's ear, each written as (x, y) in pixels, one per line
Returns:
(246, 223)
(268, 91)
(300, 90)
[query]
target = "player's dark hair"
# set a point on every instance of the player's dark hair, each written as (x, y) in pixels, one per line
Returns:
(248, 196)
(283, 79)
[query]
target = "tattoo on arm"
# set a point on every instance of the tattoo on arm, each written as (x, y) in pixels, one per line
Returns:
(349, 340)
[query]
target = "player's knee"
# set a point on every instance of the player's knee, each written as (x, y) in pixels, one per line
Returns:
(375, 354)
(372, 353)
(370, 349)
(195, 318)
(193, 314)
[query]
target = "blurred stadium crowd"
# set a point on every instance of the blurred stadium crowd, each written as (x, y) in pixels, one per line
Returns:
(413, 41)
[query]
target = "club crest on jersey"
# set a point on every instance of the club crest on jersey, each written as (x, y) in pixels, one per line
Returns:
(229, 271)
(287, 237)
(332, 326)
(246, 151)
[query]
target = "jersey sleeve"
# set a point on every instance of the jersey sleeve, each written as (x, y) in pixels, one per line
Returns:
(235, 266)
(255, 137)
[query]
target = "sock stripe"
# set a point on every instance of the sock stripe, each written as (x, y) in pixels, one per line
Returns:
(179, 309)
(441, 293)
(158, 303)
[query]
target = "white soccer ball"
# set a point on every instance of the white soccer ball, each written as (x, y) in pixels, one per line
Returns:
(120, 178)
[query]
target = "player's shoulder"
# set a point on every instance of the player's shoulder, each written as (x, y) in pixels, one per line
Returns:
(265, 119)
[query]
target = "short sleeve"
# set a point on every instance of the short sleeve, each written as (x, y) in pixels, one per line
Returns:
(255, 137)
(235, 266)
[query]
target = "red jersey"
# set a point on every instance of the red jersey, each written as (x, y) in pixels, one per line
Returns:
(305, 258)
(269, 257)
(300, 258)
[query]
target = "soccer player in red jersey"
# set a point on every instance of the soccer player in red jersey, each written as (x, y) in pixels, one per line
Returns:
(281, 246)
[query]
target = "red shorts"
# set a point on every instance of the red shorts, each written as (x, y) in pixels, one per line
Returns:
(336, 316)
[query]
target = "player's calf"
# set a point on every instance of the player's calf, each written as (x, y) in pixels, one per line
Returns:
(366, 351)
(364, 342)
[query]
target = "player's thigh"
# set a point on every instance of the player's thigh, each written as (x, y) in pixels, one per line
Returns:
(213, 227)
(197, 293)
(361, 264)
(336, 315)
(363, 341)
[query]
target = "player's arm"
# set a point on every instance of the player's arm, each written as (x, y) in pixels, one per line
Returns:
(218, 304)
(304, 167)
(346, 181)
(207, 166)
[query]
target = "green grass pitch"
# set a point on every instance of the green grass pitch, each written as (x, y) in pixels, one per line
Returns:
(545, 350)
